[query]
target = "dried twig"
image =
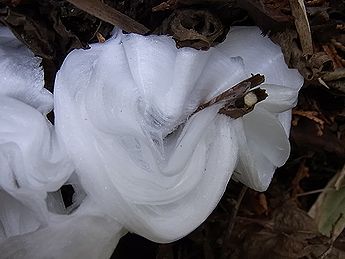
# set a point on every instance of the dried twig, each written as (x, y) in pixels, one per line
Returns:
(110, 15)
(234, 101)
(302, 25)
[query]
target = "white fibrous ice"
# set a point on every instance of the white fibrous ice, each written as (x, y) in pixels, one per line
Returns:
(128, 140)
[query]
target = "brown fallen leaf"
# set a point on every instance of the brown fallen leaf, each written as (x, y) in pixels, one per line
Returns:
(294, 235)
(302, 172)
(290, 219)
(40, 35)
(262, 202)
(270, 16)
(311, 67)
(335, 75)
(337, 84)
(306, 136)
(311, 115)
(256, 203)
(332, 52)
(194, 28)
(329, 209)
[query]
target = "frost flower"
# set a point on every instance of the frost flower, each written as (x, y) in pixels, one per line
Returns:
(127, 138)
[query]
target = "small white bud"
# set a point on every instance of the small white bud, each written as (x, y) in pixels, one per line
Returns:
(250, 99)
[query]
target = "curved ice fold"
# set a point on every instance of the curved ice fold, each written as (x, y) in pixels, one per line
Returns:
(20, 70)
(32, 160)
(263, 144)
(124, 127)
(130, 134)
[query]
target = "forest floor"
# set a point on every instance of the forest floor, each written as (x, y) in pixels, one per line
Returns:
(301, 215)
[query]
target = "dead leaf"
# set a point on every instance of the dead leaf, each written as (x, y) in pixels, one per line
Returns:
(198, 29)
(340, 182)
(302, 172)
(294, 235)
(38, 35)
(333, 54)
(290, 219)
(263, 203)
(335, 75)
(270, 16)
(306, 134)
(256, 202)
(329, 209)
(310, 67)
(311, 115)
(51, 29)
(337, 85)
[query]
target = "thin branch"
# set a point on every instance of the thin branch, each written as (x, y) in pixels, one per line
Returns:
(110, 15)
(302, 25)
(234, 105)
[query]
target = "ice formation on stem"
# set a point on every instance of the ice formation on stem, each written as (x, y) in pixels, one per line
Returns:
(125, 139)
